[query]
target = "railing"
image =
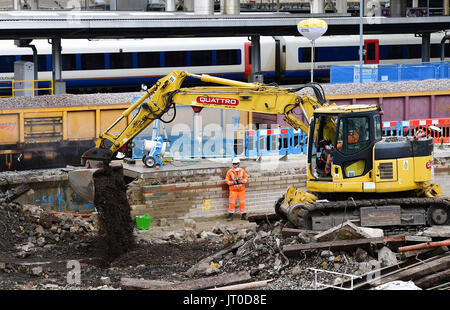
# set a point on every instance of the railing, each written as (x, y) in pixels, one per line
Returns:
(411, 127)
(280, 141)
(286, 141)
(283, 141)
(9, 88)
(390, 72)
(318, 284)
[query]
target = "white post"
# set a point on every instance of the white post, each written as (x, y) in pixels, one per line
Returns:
(16, 5)
(317, 6)
(361, 40)
(170, 6)
(198, 135)
(341, 6)
(312, 61)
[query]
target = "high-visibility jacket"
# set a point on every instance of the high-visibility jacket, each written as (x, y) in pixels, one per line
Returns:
(353, 137)
(328, 165)
(234, 175)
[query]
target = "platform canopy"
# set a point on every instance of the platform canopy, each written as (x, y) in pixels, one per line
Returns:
(115, 24)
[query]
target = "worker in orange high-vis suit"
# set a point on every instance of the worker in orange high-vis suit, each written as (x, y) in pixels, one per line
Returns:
(236, 179)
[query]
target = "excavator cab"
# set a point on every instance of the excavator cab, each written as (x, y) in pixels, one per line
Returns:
(349, 134)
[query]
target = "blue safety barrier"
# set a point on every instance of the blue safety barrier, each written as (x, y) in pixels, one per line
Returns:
(389, 72)
(297, 141)
(280, 141)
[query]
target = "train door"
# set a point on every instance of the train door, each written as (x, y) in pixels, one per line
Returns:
(372, 55)
(248, 64)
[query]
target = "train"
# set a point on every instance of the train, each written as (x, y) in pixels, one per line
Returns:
(110, 65)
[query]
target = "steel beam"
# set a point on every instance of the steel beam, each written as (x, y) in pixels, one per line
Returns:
(58, 83)
(255, 57)
(426, 47)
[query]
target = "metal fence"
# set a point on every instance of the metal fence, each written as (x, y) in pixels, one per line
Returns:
(390, 72)
(286, 141)
(13, 88)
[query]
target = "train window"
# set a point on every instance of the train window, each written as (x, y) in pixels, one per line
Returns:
(395, 52)
(201, 58)
(149, 60)
(7, 63)
(42, 61)
(371, 51)
(175, 59)
(435, 51)
(414, 51)
(447, 49)
(92, 61)
(228, 57)
(304, 54)
(334, 53)
(121, 60)
(69, 62)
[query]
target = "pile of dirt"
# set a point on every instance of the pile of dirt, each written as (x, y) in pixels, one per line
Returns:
(32, 233)
(115, 223)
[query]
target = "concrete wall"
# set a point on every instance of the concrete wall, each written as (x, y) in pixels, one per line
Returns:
(49, 191)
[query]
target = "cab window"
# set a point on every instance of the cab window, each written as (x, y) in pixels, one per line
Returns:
(353, 134)
(378, 128)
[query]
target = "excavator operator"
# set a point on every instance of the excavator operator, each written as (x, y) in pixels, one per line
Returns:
(353, 133)
(326, 157)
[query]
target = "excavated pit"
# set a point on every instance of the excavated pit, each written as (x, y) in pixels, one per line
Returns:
(115, 226)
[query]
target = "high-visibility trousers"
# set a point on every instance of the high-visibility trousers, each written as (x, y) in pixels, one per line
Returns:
(239, 196)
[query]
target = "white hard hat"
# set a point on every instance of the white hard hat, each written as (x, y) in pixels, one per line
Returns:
(235, 161)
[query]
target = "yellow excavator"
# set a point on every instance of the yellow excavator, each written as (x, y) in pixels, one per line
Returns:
(353, 172)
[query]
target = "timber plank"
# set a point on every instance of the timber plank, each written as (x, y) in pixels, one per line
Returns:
(210, 282)
(342, 245)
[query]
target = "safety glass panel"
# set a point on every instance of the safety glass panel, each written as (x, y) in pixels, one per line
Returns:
(353, 135)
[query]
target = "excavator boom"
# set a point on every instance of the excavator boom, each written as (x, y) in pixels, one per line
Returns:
(167, 92)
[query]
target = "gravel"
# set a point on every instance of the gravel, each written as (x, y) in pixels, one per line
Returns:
(70, 100)
(386, 87)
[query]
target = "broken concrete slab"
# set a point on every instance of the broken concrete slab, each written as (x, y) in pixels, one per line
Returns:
(199, 267)
(348, 231)
(417, 239)
(437, 232)
(289, 232)
(386, 257)
(361, 255)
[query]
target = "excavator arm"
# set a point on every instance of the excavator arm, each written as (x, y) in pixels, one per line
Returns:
(167, 92)
(232, 95)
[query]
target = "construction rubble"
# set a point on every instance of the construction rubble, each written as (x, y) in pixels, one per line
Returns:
(263, 253)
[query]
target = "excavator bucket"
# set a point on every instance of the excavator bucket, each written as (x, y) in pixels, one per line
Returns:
(82, 180)
(96, 155)
(82, 183)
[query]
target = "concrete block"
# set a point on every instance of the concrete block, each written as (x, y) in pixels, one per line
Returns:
(437, 232)
(347, 231)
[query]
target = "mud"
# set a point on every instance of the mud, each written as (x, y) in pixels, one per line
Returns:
(115, 223)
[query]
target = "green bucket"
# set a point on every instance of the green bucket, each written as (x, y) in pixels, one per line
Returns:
(143, 221)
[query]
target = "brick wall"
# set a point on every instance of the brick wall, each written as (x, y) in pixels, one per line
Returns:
(203, 193)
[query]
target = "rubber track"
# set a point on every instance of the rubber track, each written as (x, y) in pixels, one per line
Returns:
(351, 204)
